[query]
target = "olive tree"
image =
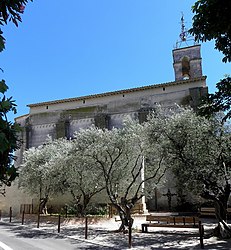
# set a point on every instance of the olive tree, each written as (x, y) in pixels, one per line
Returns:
(198, 150)
(119, 154)
(38, 175)
(80, 175)
(60, 167)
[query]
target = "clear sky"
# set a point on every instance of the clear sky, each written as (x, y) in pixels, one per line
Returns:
(73, 48)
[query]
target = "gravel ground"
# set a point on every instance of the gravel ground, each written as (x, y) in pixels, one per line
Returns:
(101, 235)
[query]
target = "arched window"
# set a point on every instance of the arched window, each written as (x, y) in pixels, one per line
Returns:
(185, 68)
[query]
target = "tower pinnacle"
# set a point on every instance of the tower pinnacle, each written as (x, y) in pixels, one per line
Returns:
(184, 32)
(184, 35)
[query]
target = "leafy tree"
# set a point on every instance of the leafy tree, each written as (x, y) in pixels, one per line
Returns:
(220, 101)
(198, 152)
(119, 154)
(212, 21)
(80, 176)
(59, 166)
(10, 10)
(38, 175)
(8, 139)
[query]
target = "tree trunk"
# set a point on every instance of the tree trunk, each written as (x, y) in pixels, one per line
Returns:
(124, 210)
(81, 208)
(222, 230)
(86, 200)
(77, 199)
(43, 205)
(126, 219)
(221, 210)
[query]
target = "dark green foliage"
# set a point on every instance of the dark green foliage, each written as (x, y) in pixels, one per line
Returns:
(93, 209)
(10, 10)
(8, 139)
(212, 20)
(219, 101)
(97, 209)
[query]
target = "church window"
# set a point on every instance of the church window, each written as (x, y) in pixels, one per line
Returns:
(185, 68)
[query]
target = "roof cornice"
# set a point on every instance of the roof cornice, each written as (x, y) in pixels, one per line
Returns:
(124, 91)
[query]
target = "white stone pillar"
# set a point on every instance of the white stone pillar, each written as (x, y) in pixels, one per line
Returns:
(145, 211)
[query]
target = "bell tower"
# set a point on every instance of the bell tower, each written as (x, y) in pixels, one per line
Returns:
(186, 59)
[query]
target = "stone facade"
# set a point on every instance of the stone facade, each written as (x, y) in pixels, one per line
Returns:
(61, 118)
(191, 54)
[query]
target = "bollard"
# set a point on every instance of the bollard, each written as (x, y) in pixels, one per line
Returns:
(10, 214)
(59, 219)
(201, 231)
(38, 219)
(86, 225)
(66, 211)
(130, 234)
(23, 215)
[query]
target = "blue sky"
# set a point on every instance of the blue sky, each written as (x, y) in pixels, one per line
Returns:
(81, 47)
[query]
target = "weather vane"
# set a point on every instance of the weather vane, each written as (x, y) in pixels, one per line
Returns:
(184, 35)
(184, 32)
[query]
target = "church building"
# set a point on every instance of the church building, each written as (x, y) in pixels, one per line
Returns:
(61, 118)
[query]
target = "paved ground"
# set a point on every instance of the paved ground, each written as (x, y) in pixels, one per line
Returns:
(101, 235)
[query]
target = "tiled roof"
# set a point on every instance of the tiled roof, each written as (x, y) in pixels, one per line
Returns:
(124, 91)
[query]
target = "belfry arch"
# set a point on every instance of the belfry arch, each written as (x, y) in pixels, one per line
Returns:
(185, 63)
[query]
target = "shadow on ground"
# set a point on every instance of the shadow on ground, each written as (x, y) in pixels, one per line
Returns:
(100, 238)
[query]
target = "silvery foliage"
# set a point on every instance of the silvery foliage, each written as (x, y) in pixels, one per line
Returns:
(109, 154)
(198, 150)
(40, 173)
(83, 177)
(119, 155)
(93, 160)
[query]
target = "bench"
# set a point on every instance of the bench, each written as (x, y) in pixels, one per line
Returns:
(137, 209)
(210, 211)
(26, 208)
(174, 221)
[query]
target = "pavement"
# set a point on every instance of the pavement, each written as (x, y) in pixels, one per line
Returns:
(101, 234)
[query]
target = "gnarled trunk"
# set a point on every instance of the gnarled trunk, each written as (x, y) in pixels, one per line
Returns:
(43, 205)
(77, 199)
(125, 217)
(124, 210)
(220, 203)
(222, 230)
